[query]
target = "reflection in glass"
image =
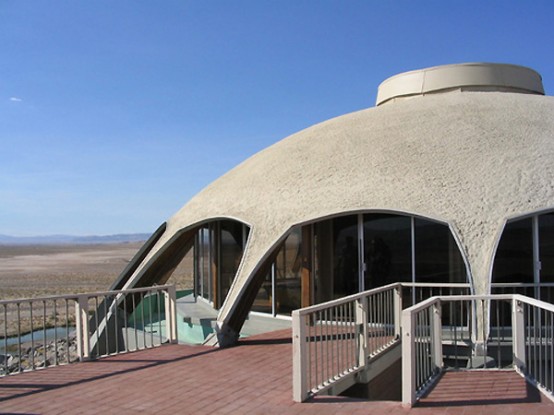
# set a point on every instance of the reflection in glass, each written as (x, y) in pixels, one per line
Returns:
(546, 244)
(288, 266)
(345, 248)
(231, 249)
(546, 255)
(438, 258)
(205, 261)
(514, 256)
(264, 299)
(218, 251)
(387, 250)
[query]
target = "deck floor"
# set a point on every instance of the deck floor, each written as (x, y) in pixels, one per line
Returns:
(252, 378)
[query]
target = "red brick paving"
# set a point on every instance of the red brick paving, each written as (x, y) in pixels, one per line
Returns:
(253, 378)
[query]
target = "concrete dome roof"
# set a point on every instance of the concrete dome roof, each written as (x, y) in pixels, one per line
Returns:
(470, 159)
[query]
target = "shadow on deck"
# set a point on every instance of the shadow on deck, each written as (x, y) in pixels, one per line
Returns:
(252, 378)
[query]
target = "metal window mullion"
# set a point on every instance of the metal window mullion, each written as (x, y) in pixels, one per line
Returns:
(413, 252)
(273, 290)
(361, 259)
(536, 256)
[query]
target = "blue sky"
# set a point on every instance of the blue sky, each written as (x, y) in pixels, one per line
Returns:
(114, 113)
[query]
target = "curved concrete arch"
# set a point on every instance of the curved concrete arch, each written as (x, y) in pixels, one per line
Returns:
(536, 212)
(228, 321)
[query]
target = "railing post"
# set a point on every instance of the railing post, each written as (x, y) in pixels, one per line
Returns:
(518, 334)
(171, 314)
(363, 335)
(408, 360)
(437, 335)
(299, 358)
(397, 310)
(82, 327)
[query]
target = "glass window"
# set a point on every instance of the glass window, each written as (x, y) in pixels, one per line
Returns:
(218, 251)
(264, 299)
(438, 258)
(205, 262)
(514, 257)
(345, 255)
(288, 266)
(546, 255)
(546, 244)
(231, 249)
(387, 250)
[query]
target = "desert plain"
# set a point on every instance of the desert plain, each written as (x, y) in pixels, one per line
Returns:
(31, 271)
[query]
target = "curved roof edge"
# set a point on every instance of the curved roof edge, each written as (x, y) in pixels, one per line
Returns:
(474, 76)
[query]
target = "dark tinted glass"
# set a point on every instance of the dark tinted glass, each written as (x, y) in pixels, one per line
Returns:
(387, 251)
(438, 258)
(345, 256)
(231, 246)
(514, 257)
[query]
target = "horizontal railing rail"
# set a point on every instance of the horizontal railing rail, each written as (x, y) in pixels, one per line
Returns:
(49, 331)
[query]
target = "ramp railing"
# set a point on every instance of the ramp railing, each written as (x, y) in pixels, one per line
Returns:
(334, 340)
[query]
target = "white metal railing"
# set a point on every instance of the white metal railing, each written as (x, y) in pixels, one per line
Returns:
(49, 331)
(335, 339)
(534, 321)
(483, 340)
(331, 341)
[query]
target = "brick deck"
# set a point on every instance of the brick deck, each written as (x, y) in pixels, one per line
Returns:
(253, 378)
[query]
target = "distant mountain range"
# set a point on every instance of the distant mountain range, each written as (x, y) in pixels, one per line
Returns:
(72, 239)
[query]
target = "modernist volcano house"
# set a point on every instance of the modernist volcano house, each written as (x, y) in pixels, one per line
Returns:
(399, 243)
(448, 179)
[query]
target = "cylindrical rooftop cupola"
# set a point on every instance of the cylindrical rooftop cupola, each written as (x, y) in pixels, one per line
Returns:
(461, 77)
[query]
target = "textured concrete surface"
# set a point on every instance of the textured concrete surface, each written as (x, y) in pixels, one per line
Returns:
(252, 378)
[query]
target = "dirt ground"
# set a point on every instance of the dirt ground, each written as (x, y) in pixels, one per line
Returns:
(32, 271)
(41, 270)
